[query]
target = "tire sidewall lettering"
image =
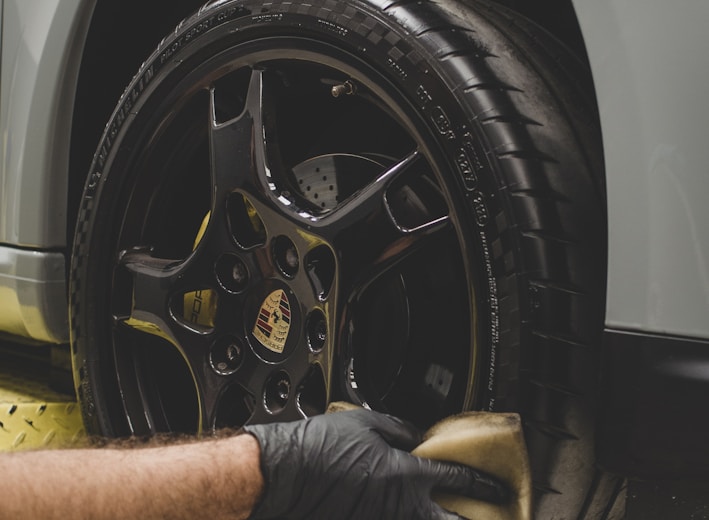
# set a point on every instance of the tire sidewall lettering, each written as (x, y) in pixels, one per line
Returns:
(465, 147)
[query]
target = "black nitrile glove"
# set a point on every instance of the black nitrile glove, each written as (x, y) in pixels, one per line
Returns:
(356, 465)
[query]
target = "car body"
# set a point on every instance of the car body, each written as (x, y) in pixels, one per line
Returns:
(650, 76)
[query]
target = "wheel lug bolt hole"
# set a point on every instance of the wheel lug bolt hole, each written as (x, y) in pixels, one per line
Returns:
(283, 389)
(226, 355)
(232, 273)
(316, 329)
(286, 256)
(278, 391)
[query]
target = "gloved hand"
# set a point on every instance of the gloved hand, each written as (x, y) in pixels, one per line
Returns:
(356, 465)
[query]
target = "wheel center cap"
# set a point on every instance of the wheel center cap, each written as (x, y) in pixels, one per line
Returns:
(273, 321)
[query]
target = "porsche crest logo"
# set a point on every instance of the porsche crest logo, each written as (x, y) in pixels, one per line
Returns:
(273, 321)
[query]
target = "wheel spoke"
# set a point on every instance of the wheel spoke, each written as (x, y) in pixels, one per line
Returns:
(367, 206)
(230, 150)
(240, 157)
(153, 285)
(383, 256)
(366, 235)
(210, 390)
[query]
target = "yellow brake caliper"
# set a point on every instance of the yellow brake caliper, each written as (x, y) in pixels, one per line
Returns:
(200, 307)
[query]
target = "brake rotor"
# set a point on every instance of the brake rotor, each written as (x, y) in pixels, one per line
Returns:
(327, 180)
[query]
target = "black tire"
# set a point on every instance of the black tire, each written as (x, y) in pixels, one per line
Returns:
(490, 243)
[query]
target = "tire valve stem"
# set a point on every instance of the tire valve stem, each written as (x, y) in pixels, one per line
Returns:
(347, 88)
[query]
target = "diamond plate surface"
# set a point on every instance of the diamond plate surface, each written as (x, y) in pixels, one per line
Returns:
(32, 414)
(32, 425)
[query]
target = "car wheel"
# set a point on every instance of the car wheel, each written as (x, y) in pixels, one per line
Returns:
(397, 204)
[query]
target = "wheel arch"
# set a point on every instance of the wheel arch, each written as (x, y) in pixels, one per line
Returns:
(64, 66)
(120, 36)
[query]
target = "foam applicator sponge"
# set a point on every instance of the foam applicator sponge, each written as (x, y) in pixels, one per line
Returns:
(490, 442)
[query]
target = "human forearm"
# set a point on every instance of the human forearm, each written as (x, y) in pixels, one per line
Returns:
(216, 479)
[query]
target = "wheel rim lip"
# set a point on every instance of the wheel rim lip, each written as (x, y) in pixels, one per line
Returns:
(413, 130)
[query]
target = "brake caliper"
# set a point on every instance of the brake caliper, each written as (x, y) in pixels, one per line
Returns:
(200, 306)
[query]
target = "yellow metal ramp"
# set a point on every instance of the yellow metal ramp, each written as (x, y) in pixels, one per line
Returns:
(32, 414)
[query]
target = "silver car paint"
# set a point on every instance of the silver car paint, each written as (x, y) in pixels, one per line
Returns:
(41, 48)
(651, 75)
(650, 61)
(33, 295)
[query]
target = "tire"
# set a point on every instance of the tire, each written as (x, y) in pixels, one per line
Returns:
(395, 203)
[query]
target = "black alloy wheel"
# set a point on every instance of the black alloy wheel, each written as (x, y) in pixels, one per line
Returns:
(396, 204)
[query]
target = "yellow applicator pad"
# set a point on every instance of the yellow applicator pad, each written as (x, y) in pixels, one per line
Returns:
(490, 442)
